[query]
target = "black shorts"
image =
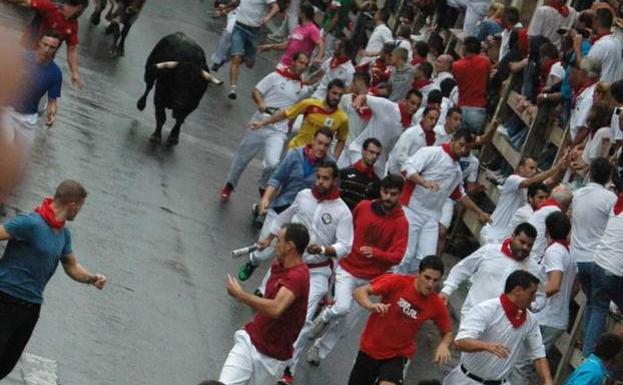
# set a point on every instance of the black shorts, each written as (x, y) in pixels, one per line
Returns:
(368, 371)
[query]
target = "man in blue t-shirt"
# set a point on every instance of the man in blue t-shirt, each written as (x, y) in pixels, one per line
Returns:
(37, 242)
(594, 369)
(40, 75)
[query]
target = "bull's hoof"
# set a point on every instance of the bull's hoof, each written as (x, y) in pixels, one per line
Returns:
(172, 141)
(155, 138)
(95, 18)
(140, 104)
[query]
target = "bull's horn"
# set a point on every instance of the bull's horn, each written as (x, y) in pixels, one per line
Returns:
(167, 65)
(212, 79)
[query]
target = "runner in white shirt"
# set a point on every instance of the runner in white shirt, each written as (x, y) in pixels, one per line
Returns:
(443, 69)
(330, 225)
(277, 90)
(607, 278)
(607, 48)
(513, 196)
(590, 208)
(339, 66)
(537, 193)
(558, 272)
(357, 118)
(387, 123)
(559, 200)
(587, 77)
(489, 266)
(433, 174)
(550, 17)
(413, 139)
(380, 35)
(494, 336)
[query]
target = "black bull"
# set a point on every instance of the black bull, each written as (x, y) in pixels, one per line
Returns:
(178, 67)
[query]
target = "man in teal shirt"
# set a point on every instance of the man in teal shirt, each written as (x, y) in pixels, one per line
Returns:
(594, 369)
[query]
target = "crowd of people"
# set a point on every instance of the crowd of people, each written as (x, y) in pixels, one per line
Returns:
(368, 143)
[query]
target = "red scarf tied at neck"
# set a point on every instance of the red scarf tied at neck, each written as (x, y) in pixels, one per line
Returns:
(448, 150)
(550, 202)
(560, 8)
(337, 61)
(309, 155)
(560, 241)
(405, 116)
(288, 74)
(429, 136)
(618, 206)
(332, 194)
(599, 36)
(362, 168)
(515, 315)
(420, 83)
(506, 249)
(47, 213)
(578, 92)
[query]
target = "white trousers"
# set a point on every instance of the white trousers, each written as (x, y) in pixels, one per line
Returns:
(319, 278)
(447, 212)
(246, 366)
(457, 377)
(423, 236)
(267, 138)
(474, 12)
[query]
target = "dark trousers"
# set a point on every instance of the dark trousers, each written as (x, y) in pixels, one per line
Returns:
(369, 371)
(17, 321)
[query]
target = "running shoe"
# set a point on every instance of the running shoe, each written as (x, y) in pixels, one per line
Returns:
(246, 271)
(232, 93)
(313, 356)
(226, 192)
(286, 378)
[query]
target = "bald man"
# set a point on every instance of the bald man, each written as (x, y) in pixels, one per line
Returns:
(443, 69)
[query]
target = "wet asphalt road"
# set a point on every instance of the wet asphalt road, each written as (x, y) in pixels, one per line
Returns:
(152, 221)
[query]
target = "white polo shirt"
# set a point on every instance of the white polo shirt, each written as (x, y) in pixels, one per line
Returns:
(538, 221)
(609, 252)
(279, 92)
(344, 72)
(380, 35)
(591, 208)
(511, 199)
(522, 215)
(555, 314)
(356, 123)
(487, 269)
(434, 164)
(607, 50)
(488, 322)
(329, 223)
(385, 125)
(547, 21)
(251, 12)
(579, 114)
(595, 145)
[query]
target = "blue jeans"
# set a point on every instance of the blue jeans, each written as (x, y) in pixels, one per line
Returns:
(244, 42)
(474, 119)
(606, 287)
(487, 28)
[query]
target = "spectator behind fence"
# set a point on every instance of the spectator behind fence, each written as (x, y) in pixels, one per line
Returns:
(594, 369)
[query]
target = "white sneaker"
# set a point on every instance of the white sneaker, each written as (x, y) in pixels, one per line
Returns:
(313, 356)
(318, 327)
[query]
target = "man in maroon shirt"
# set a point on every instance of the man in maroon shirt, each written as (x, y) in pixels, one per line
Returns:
(380, 241)
(389, 338)
(62, 18)
(472, 76)
(264, 346)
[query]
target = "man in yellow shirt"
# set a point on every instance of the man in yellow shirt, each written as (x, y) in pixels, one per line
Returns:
(316, 114)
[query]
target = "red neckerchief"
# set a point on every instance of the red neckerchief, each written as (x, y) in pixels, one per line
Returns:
(362, 168)
(523, 41)
(307, 151)
(545, 69)
(337, 61)
(446, 148)
(549, 202)
(618, 206)
(405, 117)
(417, 60)
(286, 73)
(429, 136)
(47, 213)
(420, 83)
(560, 8)
(577, 93)
(333, 194)
(506, 249)
(516, 316)
(599, 36)
(560, 241)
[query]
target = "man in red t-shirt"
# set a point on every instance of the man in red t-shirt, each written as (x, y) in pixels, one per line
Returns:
(472, 77)
(62, 18)
(264, 346)
(380, 242)
(389, 338)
